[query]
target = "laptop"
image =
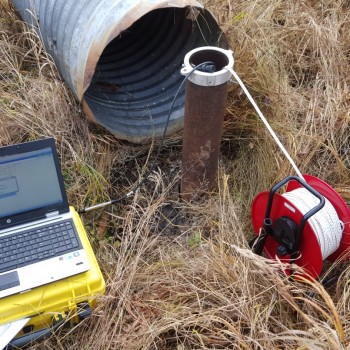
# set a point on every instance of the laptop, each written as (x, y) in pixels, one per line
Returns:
(39, 242)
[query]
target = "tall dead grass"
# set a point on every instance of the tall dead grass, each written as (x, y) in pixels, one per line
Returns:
(181, 276)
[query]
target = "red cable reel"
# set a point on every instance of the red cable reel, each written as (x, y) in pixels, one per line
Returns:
(283, 231)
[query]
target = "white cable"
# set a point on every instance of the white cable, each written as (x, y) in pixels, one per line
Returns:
(275, 137)
(325, 223)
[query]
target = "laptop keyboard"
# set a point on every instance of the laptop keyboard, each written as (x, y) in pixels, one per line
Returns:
(38, 244)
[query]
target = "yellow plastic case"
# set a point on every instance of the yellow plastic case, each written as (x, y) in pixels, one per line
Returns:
(51, 305)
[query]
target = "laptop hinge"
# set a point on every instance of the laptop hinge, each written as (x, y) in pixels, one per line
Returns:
(52, 214)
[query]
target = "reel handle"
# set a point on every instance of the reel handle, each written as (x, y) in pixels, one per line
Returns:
(305, 185)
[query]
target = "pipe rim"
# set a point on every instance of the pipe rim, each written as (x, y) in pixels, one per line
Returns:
(208, 79)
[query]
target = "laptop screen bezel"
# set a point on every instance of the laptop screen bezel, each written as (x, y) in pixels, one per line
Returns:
(38, 213)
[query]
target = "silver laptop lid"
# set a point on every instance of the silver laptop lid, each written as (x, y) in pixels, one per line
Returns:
(31, 183)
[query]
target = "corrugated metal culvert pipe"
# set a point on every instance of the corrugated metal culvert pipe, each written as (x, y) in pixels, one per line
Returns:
(122, 58)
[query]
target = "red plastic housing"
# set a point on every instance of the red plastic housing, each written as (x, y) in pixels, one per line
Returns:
(310, 253)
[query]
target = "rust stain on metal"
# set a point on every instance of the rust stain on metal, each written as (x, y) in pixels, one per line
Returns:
(204, 115)
(90, 116)
(92, 59)
(106, 86)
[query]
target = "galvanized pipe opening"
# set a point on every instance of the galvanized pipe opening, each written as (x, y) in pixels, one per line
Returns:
(122, 58)
(205, 103)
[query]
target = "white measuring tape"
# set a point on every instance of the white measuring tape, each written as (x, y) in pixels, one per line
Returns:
(325, 223)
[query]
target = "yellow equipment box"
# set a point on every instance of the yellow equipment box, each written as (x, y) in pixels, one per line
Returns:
(49, 306)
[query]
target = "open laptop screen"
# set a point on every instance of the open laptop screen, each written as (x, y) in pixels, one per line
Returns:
(31, 183)
(28, 181)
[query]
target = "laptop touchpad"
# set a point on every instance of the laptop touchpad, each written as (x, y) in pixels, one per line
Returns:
(9, 280)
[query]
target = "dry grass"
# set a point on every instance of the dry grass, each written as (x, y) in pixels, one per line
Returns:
(181, 276)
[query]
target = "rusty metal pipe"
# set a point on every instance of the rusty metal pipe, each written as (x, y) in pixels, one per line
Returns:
(205, 103)
(122, 58)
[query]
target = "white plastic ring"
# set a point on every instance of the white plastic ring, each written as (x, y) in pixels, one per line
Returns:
(208, 79)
